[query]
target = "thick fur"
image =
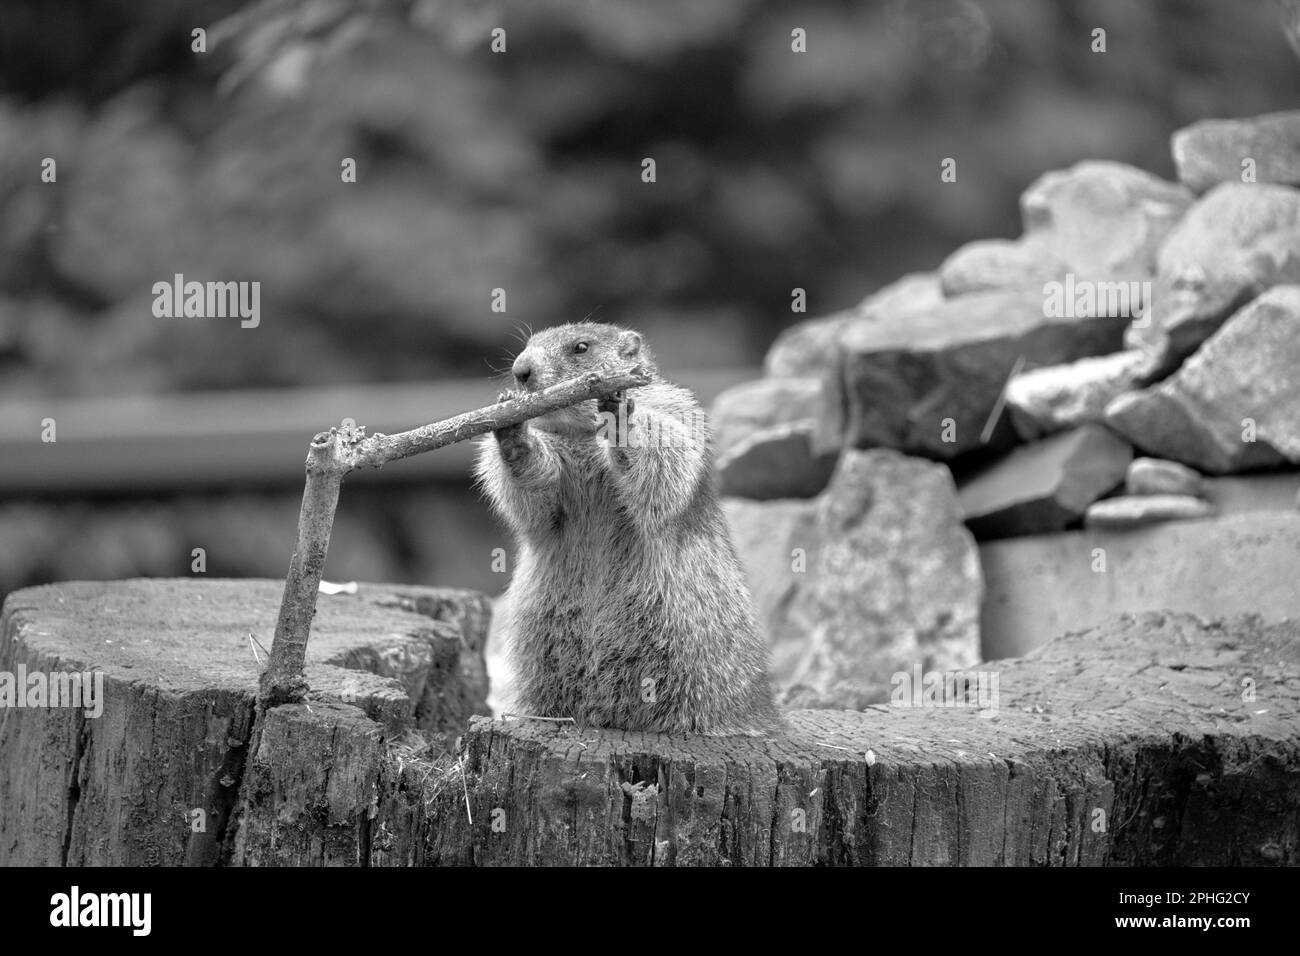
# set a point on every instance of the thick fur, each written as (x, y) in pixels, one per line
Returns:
(628, 607)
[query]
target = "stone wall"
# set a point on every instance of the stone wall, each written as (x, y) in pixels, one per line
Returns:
(1051, 405)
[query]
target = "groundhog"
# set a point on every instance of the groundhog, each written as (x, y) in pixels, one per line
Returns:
(628, 607)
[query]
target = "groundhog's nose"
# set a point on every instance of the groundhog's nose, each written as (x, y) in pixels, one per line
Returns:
(522, 369)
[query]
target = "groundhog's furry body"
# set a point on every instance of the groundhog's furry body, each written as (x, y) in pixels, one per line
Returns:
(628, 607)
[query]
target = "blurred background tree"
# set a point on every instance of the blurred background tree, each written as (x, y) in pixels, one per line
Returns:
(518, 170)
(480, 170)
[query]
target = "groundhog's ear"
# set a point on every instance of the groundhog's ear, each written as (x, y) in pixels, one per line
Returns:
(629, 344)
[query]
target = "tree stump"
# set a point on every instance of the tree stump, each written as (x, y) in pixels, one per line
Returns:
(1134, 743)
(1156, 739)
(156, 778)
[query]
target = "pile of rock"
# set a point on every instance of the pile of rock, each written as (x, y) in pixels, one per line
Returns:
(1134, 315)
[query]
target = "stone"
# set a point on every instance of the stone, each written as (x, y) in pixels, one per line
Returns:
(1246, 494)
(927, 383)
(1132, 511)
(1212, 151)
(987, 264)
(1235, 242)
(1042, 586)
(812, 347)
(739, 412)
(1103, 219)
(776, 437)
(766, 535)
(1156, 476)
(777, 462)
(1098, 221)
(1235, 404)
(1045, 486)
(1043, 401)
(808, 348)
(892, 582)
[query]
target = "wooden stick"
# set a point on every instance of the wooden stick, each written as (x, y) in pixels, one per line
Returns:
(334, 453)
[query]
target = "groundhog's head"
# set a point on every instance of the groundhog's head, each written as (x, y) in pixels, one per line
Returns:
(567, 351)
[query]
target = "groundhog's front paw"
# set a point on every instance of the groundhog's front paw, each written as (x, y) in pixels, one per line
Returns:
(610, 404)
(510, 434)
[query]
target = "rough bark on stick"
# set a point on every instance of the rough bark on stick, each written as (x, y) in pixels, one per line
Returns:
(180, 681)
(334, 453)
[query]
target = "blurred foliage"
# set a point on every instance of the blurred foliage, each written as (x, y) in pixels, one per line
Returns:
(521, 170)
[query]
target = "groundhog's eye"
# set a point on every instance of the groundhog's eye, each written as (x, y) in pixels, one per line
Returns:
(580, 347)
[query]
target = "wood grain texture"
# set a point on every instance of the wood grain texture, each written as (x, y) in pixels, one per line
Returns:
(179, 685)
(1133, 743)
(1127, 744)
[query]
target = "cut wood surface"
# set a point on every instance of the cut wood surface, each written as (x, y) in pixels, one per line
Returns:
(1127, 744)
(1153, 739)
(180, 678)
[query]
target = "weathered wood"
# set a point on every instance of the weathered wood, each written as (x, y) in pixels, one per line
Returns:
(179, 683)
(1131, 743)
(309, 788)
(1127, 744)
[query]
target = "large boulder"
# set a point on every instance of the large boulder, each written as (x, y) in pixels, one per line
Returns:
(750, 407)
(812, 347)
(784, 461)
(1235, 242)
(927, 384)
(770, 536)
(1098, 220)
(1045, 486)
(986, 264)
(776, 437)
(1213, 151)
(892, 582)
(1235, 404)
